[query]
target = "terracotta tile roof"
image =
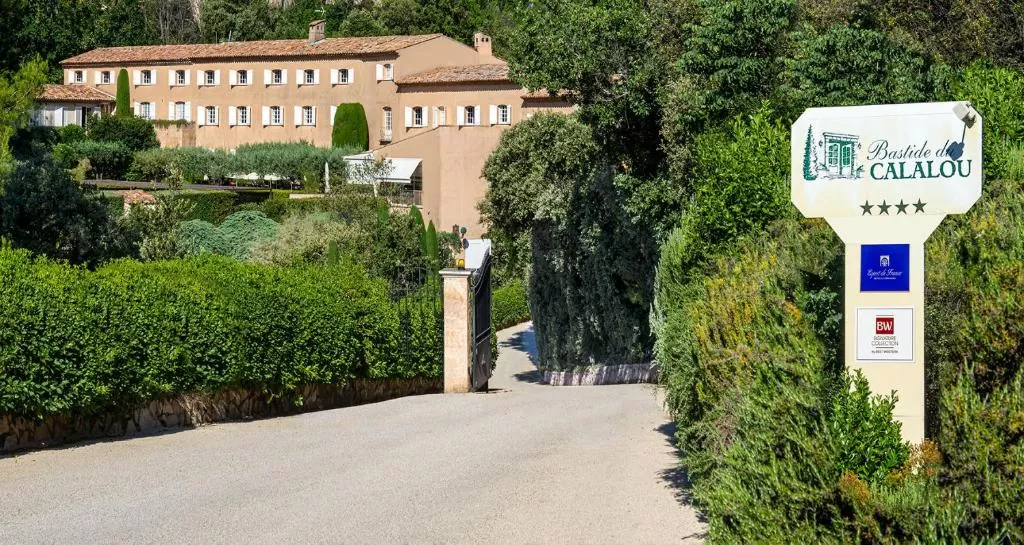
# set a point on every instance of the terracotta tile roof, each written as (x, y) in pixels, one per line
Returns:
(73, 93)
(334, 47)
(476, 73)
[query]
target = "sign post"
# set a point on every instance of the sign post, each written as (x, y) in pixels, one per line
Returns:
(884, 177)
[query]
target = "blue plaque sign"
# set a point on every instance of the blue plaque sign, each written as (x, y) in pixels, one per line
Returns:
(885, 267)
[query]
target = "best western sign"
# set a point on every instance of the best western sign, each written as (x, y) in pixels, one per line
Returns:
(884, 177)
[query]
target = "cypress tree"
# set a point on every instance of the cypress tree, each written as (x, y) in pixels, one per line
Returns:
(430, 245)
(808, 171)
(123, 106)
(350, 128)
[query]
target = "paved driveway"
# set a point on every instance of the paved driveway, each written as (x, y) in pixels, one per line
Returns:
(525, 464)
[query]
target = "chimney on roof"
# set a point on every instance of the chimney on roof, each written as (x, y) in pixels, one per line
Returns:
(482, 44)
(316, 31)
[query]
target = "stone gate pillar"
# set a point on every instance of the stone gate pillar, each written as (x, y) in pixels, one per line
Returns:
(458, 334)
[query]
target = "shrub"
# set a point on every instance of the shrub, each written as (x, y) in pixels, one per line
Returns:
(307, 239)
(998, 94)
(106, 160)
(42, 210)
(135, 133)
(509, 305)
(210, 206)
(203, 324)
(233, 238)
(350, 129)
(71, 133)
(123, 100)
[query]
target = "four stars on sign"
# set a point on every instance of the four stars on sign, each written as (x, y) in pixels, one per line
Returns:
(883, 208)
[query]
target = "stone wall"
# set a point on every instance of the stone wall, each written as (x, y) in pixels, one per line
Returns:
(176, 135)
(597, 375)
(17, 433)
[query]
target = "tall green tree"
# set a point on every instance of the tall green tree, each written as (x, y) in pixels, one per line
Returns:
(123, 100)
(17, 97)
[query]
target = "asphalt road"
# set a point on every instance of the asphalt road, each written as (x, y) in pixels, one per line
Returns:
(525, 464)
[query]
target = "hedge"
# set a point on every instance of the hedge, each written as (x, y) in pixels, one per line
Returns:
(783, 447)
(510, 305)
(107, 160)
(81, 342)
(211, 206)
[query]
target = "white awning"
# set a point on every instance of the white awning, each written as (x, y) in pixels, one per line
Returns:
(395, 169)
(401, 170)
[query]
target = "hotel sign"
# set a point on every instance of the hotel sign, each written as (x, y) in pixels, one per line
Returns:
(900, 159)
(884, 177)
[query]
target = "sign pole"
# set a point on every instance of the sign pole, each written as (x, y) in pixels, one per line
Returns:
(884, 177)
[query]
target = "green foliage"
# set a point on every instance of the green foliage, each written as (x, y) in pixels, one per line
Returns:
(845, 66)
(107, 160)
(509, 305)
(17, 96)
(69, 134)
(206, 324)
(998, 94)
(430, 247)
(234, 237)
(612, 75)
(590, 280)
(350, 130)
(294, 161)
(43, 211)
(153, 229)
(210, 206)
(123, 99)
(135, 133)
(740, 182)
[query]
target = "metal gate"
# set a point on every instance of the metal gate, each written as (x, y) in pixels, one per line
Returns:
(480, 283)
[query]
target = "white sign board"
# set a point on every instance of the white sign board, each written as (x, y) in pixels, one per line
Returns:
(890, 160)
(885, 334)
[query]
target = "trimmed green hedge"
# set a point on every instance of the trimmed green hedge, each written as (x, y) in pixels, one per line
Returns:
(211, 206)
(81, 342)
(510, 305)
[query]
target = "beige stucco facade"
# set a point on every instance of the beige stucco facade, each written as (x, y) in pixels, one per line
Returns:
(291, 97)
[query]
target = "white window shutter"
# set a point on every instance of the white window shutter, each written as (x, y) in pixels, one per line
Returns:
(408, 116)
(232, 116)
(200, 78)
(137, 77)
(284, 76)
(153, 77)
(170, 110)
(248, 77)
(266, 116)
(299, 80)
(188, 109)
(216, 77)
(479, 114)
(216, 114)
(316, 76)
(135, 108)
(200, 115)
(171, 80)
(426, 117)
(460, 115)
(493, 114)
(188, 77)
(298, 115)
(433, 110)
(334, 110)
(232, 77)
(509, 108)
(96, 77)
(380, 72)
(334, 76)
(315, 117)
(267, 76)
(351, 75)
